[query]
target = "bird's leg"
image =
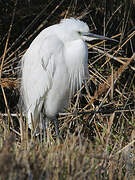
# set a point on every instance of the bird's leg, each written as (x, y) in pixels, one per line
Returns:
(46, 127)
(46, 123)
(56, 124)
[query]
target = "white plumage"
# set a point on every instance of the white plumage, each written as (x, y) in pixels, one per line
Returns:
(54, 67)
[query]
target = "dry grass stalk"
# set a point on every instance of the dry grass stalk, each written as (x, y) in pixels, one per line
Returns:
(9, 83)
(6, 45)
(106, 156)
(102, 89)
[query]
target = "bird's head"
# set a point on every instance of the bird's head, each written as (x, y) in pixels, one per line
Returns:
(73, 29)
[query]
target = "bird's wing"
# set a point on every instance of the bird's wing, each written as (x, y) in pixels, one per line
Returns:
(50, 53)
(39, 68)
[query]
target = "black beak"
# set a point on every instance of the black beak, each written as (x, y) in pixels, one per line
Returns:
(95, 36)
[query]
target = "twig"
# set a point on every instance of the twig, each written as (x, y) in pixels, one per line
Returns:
(8, 36)
(101, 111)
(104, 87)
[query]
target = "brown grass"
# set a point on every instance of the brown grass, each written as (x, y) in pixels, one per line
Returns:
(97, 132)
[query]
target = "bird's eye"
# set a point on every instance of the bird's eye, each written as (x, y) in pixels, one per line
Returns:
(79, 32)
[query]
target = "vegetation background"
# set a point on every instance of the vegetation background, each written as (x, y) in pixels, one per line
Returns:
(98, 141)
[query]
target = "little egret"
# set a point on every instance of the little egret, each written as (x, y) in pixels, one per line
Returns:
(53, 68)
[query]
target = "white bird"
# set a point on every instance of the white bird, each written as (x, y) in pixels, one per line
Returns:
(53, 68)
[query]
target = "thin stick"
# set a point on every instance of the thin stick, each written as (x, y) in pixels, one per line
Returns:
(9, 32)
